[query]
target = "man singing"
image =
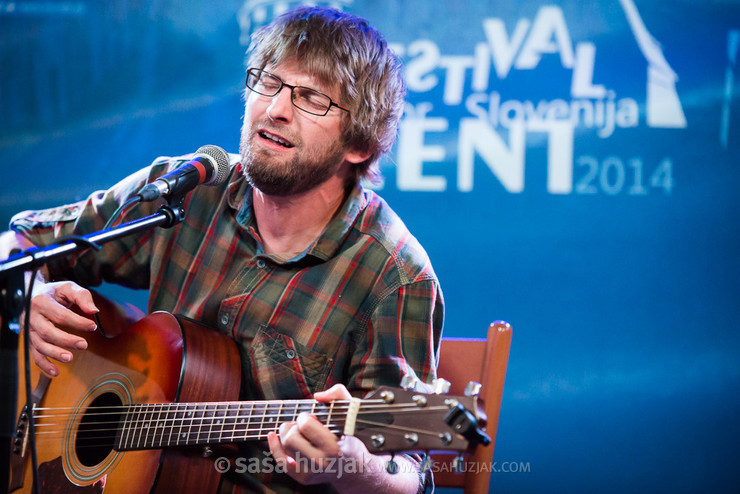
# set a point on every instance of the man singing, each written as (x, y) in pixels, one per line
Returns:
(320, 284)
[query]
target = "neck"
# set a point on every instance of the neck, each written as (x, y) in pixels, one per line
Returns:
(288, 225)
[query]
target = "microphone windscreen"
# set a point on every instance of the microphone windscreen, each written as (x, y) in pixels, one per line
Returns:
(221, 158)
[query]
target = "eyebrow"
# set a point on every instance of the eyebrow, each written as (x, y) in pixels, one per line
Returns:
(315, 83)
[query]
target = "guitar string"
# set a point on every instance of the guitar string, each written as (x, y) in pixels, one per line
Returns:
(210, 414)
(236, 433)
(234, 437)
(222, 420)
(212, 409)
(264, 403)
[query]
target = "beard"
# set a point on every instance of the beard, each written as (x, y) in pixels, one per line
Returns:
(280, 176)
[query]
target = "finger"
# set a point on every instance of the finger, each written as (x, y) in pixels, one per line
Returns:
(285, 427)
(353, 447)
(336, 392)
(75, 295)
(50, 350)
(276, 447)
(48, 307)
(43, 329)
(43, 363)
(296, 444)
(282, 458)
(320, 438)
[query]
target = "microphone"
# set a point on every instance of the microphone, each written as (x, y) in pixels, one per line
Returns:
(209, 166)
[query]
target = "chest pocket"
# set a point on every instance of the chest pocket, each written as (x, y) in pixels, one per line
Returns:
(284, 369)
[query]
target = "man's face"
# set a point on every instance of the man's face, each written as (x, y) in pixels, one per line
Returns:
(287, 151)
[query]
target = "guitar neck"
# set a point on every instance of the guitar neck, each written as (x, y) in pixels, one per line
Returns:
(160, 425)
(387, 420)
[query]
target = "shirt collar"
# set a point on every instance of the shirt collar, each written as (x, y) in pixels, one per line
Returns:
(326, 246)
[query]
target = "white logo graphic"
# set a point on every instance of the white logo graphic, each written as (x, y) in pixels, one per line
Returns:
(663, 107)
(498, 129)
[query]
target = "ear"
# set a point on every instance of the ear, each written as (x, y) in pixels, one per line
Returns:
(356, 156)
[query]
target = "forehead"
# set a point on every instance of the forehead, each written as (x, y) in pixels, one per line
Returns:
(294, 73)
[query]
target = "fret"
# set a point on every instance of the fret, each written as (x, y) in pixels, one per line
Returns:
(310, 408)
(135, 427)
(159, 426)
(151, 439)
(273, 414)
(240, 424)
(279, 419)
(209, 418)
(260, 417)
(296, 410)
(143, 428)
(328, 415)
(211, 421)
(321, 412)
(188, 426)
(186, 437)
(252, 419)
(230, 418)
(301, 406)
(178, 420)
(198, 419)
(182, 429)
(170, 422)
(219, 417)
(138, 427)
(150, 424)
(125, 429)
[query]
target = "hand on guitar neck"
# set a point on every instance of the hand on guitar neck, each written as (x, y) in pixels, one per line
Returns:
(308, 438)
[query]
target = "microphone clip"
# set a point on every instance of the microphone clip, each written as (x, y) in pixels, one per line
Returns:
(173, 212)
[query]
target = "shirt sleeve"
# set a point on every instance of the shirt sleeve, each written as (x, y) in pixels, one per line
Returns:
(124, 261)
(402, 337)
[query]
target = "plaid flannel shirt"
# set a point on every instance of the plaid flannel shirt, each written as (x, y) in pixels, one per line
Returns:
(360, 306)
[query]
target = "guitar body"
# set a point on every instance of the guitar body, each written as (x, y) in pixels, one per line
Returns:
(160, 359)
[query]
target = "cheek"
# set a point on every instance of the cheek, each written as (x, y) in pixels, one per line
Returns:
(248, 110)
(254, 105)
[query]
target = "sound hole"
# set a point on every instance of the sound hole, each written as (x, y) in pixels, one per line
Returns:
(97, 431)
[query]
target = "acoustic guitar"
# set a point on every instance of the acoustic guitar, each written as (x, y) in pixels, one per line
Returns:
(146, 410)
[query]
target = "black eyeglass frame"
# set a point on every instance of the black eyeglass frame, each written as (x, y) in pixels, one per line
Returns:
(255, 72)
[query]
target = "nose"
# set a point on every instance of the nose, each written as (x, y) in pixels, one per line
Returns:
(281, 107)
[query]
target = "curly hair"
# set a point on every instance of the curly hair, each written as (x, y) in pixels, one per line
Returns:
(342, 49)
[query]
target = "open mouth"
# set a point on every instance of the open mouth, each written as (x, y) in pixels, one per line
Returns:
(275, 139)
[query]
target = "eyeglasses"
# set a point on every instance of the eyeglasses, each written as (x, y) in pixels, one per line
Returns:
(304, 98)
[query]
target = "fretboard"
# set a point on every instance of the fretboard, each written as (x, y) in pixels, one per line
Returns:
(161, 425)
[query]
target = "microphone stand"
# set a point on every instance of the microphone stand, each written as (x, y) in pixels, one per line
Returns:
(11, 305)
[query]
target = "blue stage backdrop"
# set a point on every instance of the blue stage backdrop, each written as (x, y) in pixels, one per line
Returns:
(571, 167)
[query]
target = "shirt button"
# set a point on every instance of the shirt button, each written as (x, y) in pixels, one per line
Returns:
(290, 354)
(260, 263)
(225, 318)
